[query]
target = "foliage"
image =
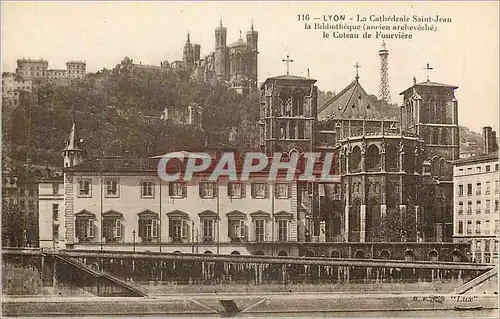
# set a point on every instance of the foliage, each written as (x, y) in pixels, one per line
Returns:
(12, 225)
(398, 226)
(110, 108)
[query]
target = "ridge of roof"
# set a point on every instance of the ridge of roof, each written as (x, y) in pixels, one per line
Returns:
(342, 92)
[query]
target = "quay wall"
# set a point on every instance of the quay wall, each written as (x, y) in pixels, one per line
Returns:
(252, 304)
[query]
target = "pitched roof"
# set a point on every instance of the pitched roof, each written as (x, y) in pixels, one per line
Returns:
(354, 103)
(432, 84)
(73, 142)
(288, 77)
(116, 164)
(492, 156)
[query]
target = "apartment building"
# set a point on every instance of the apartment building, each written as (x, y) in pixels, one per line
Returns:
(476, 203)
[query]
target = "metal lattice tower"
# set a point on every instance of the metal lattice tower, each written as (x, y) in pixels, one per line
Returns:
(385, 92)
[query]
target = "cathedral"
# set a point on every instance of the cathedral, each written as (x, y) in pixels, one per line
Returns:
(394, 162)
(235, 65)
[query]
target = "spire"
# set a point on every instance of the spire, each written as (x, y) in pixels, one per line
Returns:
(251, 24)
(73, 142)
(220, 21)
(240, 35)
(188, 40)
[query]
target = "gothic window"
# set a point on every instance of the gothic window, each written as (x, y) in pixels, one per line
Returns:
(435, 166)
(372, 220)
(443, 112)
(298, 104)
(435, 136)
(409, 162)
(355, 157)
(301, 130)
(444, 136)
(391, 157)
(372, 158)
(354, 216)
(285, 103)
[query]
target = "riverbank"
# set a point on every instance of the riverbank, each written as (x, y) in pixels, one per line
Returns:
(255, 304)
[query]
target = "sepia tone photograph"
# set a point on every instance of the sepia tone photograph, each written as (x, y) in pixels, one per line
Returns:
(250, 159)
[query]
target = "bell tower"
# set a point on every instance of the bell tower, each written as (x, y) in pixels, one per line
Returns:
(73, 153)
(252, 41)
(221, 52)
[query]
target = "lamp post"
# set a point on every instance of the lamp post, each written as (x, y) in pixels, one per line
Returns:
(133, 239)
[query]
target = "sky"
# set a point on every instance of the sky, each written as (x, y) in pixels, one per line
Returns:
(463, 53)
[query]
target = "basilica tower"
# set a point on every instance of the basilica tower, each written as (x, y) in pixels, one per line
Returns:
(221, 52)
(252, 41)
(188, 55)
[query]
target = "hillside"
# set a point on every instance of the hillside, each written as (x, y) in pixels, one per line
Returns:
(107, 106)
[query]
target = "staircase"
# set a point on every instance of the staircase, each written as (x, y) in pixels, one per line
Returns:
(471, 284)
(106, 284)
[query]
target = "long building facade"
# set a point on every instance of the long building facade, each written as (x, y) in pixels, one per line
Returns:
(476, 203)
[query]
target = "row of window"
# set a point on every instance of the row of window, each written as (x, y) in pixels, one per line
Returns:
(179, 229)
(479, 169)
(479, 229)
(479, 190)
(179, 189)
(478, 207)
(478, 246)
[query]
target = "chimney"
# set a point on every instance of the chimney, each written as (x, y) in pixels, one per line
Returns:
(489, 140)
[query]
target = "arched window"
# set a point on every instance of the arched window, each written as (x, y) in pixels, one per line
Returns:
(359, 254)
(298, 104)
(409, 255)
(355, 157)
(372, 158)
(435, 136)
(435, 166)
(385, 254)
(354, 216)
(372, 220)
(335, 254)
(433, 255)
(391, 157)
(444, 136)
